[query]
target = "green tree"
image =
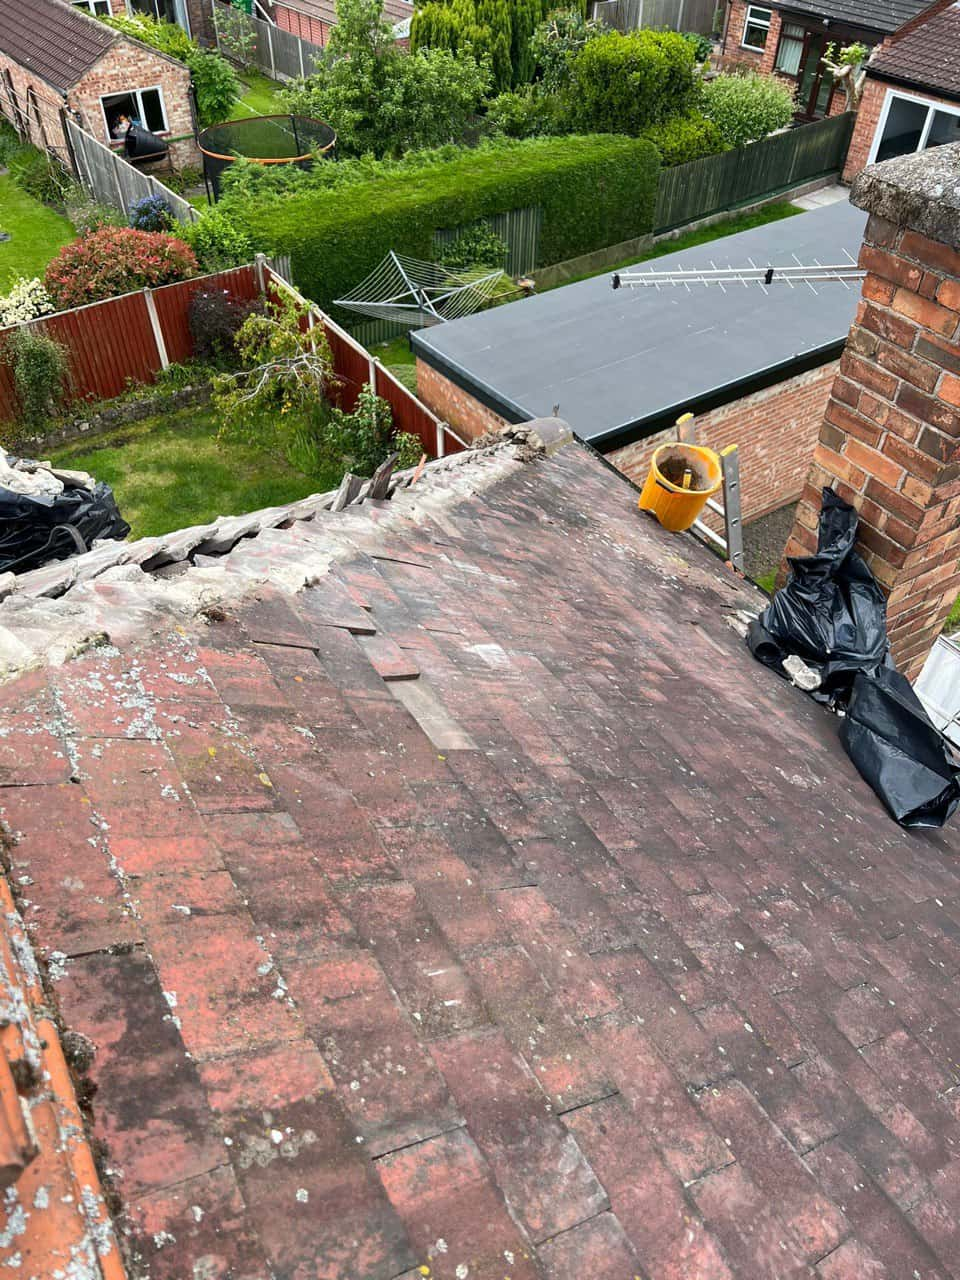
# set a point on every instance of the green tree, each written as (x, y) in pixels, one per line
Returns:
(556, 40)
(748, 107)
(622, 84)
(500, 30)
(383, 100)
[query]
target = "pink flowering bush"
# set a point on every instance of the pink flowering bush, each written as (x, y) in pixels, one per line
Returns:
(115, 260)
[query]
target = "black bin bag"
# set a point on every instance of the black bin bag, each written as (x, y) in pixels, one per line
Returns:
(832, 614)
(890, 739)
(28, 522)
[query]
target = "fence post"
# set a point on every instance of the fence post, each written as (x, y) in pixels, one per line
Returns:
(116, 177)
(157, 328)
(273, 65)
(259, 269)
(679, 15)
(300, 52)
(441, 442)
(372, 373)
(216, 25)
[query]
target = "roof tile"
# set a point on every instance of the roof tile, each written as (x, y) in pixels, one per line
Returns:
(54, 40)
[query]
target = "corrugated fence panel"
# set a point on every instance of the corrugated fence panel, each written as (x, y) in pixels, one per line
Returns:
(408, 414)
(717, 183)
(518, 228)
(108, 344)
(352, 368)
(173, 306)
(674, 15)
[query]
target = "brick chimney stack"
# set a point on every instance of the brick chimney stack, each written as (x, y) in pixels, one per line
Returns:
(890, 439)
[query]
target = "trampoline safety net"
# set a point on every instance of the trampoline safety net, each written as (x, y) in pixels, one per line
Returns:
(289, 139)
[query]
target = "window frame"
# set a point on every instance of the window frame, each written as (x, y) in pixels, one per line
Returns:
(89, 6)
(747, 21)
(135, 94)
(932, 108)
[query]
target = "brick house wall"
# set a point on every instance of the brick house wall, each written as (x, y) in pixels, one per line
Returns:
(776, 430)
(453, 405)
(868, 118)
(128, 65)
(733, 53)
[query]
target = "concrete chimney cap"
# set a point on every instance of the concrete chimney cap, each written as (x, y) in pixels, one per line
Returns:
(919, 192)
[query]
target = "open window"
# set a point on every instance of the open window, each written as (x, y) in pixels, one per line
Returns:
(139, 106)
(908, 124)
(756, 28)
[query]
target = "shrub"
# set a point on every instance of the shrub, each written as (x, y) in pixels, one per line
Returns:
(217, 241)
(214, 78)
(526, 113)
(26, 300)
(40, 370)
(10, 144)
(622, 84)
(702, 45)
(116, 260)
(40, 176)
(215, 318)
(748, 107)
(87, 214)
(151, 213)
(476, 246)
(382, 99)
(593, 191)
(684, 138)
(555, 41)
(362, 439)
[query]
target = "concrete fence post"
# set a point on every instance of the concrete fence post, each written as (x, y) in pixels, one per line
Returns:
(151, 305)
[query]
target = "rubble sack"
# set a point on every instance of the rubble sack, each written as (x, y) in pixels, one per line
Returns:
(36, 500)
(832, 616)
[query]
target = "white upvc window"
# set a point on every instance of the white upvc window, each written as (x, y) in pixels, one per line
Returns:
(142, 106)
(756, 28)
(909, 123)
(99, 8)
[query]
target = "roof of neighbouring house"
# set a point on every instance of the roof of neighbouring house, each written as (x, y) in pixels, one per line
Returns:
(394, 11)
(624, 364)
(55, 41)
(443, 890)
(926, 53)
(874, 15)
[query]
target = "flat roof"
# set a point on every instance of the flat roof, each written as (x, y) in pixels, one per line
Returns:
(622, 364)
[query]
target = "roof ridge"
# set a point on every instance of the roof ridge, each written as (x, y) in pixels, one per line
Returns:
(57, 611)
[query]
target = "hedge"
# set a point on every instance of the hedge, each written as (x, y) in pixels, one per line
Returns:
(594, 191)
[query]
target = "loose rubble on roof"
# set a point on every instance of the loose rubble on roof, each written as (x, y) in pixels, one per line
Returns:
(437, 887)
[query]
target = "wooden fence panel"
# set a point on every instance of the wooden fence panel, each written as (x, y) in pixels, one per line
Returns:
(109, 344)
(734, 178)
(657, 15)
(113, 180)
(173, 306)
(408, 415)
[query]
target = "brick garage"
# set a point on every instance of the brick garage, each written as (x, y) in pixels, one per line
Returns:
(776, 430)
(53, 57)
(452, 404)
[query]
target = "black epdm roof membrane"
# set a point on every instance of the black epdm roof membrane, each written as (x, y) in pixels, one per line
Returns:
(621, 364)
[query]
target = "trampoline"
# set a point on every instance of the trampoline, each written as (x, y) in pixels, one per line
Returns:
(298, 140)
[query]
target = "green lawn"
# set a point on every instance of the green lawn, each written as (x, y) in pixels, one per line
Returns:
(36, 232)
(170, 472)
(260, 97)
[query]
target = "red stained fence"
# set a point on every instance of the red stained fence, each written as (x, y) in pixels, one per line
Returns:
(131, 338)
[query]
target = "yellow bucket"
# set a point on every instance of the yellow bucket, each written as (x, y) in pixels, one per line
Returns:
(682, 477)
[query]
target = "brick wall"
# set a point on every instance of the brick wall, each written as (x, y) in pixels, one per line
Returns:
(776, 430)
(128, 65)
(888, 443)
(454, 405)
(301, 25)
(734, 54)
(868, 118)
